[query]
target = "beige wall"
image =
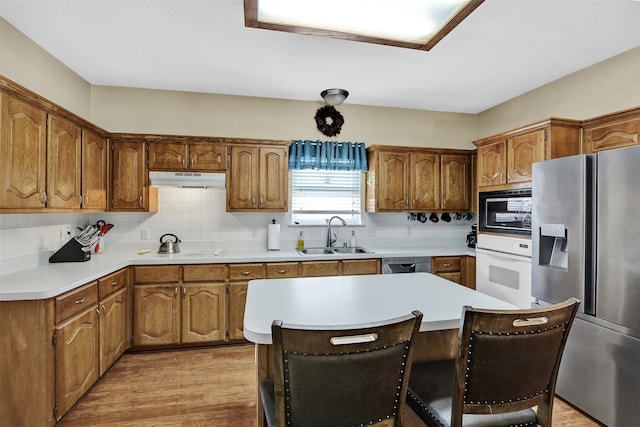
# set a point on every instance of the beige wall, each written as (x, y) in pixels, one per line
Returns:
(609, 86)
(24, 62)
(154, 111)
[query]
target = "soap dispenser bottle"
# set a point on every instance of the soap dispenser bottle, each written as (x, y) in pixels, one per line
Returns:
(353, 239)
(300, 241)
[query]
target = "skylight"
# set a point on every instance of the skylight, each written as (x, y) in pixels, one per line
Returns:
(417, 24)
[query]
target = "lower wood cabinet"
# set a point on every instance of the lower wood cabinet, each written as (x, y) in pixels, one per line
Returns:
(458, 269)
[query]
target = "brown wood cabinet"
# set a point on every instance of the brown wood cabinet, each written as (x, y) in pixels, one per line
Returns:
(183, 156)
(114, 307)
(95, 157)
(130, 189)
(616, 130)
(402, 179)
(77, 342)
(458, 269)
(504, 161)
(23, 154)
(257, 178)
(64, 164)
(179, 305)
(239, 276)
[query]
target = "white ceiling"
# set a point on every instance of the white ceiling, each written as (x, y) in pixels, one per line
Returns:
(503, 49)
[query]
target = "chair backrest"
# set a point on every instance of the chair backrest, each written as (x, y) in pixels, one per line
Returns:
(508, 360)
(335, 377)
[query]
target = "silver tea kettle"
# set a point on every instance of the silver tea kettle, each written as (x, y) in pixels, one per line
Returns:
(168, 246)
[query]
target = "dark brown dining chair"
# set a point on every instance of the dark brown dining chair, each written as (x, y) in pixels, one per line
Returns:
(340, 377)
(507, 364)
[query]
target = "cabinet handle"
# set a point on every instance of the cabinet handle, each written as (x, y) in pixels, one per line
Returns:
(253, 201)
(184, 293)
(104, 311)
(114, 283)
(98, 310)
(175, 291)
(245, 273)
(79, 200)
(283, 271)
(446, 264)
(86, 199)
(191, 162)
(80, 301)
(184, 162)
(43, 197)
(140, 201)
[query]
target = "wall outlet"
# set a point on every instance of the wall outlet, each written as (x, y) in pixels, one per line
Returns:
(144, 234)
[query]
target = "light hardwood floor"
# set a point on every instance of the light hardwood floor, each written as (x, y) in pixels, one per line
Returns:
(209, 387)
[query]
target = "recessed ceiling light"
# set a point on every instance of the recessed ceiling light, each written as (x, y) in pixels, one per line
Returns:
(416, 24)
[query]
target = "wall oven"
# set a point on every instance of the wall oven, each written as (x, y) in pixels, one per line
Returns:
(503, 268)
(505, 211)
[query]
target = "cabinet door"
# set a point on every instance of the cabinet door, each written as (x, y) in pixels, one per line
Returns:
(64, 164)
(320, 268)
(237, 302)
(77, 358)
(94, 171)
(204, 312)
(392, 182)
(425, 181)
(455, 182)
(492, 164)
(167, 156)
(207, 157)
(23, 154)
(113, 328)
(156, 315)
(243, 186)
(129, 176)
(360, 266)
(522, 152)
(273, 179)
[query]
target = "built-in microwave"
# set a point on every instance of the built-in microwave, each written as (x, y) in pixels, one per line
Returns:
(505, 211)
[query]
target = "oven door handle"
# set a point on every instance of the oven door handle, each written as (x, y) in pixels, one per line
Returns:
(504, 255)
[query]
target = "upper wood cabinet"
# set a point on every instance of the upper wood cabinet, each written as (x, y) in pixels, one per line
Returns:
(183, 156)
(402, 179)
(257, 178)
(64, 164)
(95, 158)
(130, 189)
(23, 154)
(49, 162)
(610, 131)
(504, 160)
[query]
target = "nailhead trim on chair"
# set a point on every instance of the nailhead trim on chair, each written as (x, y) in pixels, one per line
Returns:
(398, 388)
(466, 376)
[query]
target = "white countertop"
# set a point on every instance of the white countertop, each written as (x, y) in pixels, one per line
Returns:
(50, 280)
(353, 300)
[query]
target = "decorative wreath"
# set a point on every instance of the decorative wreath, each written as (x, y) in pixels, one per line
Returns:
(332, 126)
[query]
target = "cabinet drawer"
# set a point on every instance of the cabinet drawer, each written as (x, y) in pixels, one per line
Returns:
(365, 266)
(445, 264)
(76, 300)
(320, 268)
(282, 270)
(454, 277)
(113, 282)
(246, 271)
(205, 272)
(157, 274)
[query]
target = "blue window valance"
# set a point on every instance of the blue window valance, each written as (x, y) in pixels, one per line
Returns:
(328, 155)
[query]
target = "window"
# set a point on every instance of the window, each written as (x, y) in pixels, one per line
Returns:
(317, 195)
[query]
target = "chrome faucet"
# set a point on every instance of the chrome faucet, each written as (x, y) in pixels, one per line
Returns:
(331, 238)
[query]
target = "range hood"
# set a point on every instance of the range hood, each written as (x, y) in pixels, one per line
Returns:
(187, 179)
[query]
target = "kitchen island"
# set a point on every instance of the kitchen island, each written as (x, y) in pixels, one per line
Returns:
(352, 300)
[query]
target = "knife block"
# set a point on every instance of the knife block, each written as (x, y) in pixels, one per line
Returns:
(70, 252)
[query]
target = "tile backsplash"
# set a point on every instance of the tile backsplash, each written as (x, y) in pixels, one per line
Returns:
(197, 215)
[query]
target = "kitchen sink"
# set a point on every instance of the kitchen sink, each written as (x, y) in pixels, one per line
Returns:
(333, 251)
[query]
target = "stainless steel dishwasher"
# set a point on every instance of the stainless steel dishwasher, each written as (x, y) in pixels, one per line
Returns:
(406, 265)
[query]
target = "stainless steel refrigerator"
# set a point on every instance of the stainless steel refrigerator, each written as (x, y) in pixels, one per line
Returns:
(586, 243)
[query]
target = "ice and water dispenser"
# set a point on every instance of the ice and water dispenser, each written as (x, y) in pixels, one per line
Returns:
(553, 246)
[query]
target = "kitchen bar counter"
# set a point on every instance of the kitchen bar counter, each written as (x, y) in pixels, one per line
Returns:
(50, 280)
(351, 300)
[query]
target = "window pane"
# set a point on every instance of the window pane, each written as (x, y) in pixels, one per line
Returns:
(319, 194)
